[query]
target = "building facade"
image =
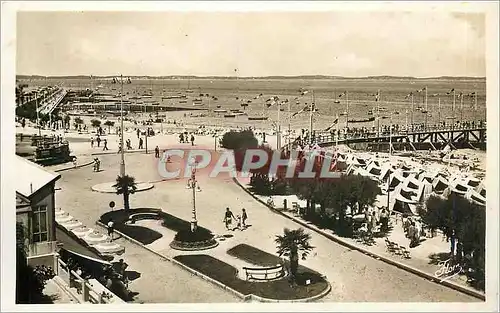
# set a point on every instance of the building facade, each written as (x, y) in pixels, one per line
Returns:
(35, 211)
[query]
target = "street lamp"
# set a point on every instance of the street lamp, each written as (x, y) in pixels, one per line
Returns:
(193, 185)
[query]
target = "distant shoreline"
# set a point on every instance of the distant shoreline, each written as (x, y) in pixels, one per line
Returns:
(303, 77)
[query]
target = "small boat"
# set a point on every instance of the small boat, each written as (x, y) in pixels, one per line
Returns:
(240, 113)
(182, 101)
(220, 111)
(343, 113)
(198, 104)
(155, 103)
(189, 91)
(336, 101)
(370, 119)
(229, 115)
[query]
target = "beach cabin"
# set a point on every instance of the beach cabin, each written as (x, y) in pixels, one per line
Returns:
(475, 197)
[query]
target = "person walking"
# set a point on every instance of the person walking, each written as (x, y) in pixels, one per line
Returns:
(140, 143)
(157, 152)
(98, 141)
(228, 216)
(92, 142)
(244, 218)
(192, 139)
(105, 142)
(111, 226)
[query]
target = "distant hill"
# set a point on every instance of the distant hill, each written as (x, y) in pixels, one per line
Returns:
(306, 77)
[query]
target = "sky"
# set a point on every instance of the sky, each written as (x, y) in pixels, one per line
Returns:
(353, 44)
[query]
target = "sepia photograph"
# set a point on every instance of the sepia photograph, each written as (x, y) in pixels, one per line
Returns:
(232, 155)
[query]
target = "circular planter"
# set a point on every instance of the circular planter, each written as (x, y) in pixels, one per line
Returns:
(201, 239)
(194, 246)
(81, 232)
(64, 218)
(95, 238)
(72, 224)
(110, 247)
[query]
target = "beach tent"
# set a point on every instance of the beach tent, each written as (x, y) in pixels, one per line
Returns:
(472, 181)
(459, 187)
(481, 189)
(475, 197)
(396, 180)
(385, 171)
(403, 205)
(439, 184)
(374, 169)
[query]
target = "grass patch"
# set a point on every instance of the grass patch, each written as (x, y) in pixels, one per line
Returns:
(254, 256)
(258, 257)
(201, 234)
(146, 235)
(277, 289)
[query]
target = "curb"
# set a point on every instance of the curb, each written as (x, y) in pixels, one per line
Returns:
(74, 167)
(411, 269)
(302, 300)
(192, 271)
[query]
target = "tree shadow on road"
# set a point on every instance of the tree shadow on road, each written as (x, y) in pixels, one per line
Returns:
(436, 258)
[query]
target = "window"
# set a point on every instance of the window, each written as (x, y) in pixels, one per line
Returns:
(40, 224)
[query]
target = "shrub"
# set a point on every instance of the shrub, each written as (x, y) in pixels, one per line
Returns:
(200, 234)
(237, 140)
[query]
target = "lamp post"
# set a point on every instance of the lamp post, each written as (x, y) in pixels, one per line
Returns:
(37, 116)
(122, 160)
(193, 185)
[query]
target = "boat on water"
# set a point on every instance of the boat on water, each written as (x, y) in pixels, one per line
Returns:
(155, 103)
(189, 91)
(370, 119)
(258, 118)
(135, 97)
(229, 115)
(336, 101)
(343, 113)
(147, 96)
(220, 111)
(172, 97)
(198, 104)
(182, 101)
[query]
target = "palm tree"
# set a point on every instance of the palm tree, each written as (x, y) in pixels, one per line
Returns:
(125, 185)
(291, 244)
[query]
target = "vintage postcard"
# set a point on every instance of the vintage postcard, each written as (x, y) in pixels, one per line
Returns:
(235, 156)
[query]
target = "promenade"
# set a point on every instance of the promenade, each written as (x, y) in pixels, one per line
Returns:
(354, 276)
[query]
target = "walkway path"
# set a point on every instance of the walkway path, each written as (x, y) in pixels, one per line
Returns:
(354, 276)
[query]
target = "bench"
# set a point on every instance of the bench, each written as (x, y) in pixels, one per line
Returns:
(264, 273)
(143, 216)
(396, 249)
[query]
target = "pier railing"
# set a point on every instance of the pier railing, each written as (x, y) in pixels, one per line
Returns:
(397, 130)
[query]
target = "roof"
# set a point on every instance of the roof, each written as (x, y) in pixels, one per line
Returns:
(31, 177)
(21, 201)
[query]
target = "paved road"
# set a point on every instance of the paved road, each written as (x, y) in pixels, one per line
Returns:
(353, 275)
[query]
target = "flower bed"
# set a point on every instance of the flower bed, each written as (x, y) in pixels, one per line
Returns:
(184, 239)
(280, 289)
